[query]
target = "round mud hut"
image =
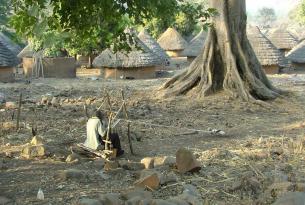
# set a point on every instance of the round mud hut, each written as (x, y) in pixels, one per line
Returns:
(283, 40)
(268, 55)
(172, 42)
(8, 61)
(195, 46)
(153, 45)
(36, 64)
(137, 64)
(297, 57)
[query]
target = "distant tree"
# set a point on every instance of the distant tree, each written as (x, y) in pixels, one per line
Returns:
(266, 17)
(297, 14)
(186, 18)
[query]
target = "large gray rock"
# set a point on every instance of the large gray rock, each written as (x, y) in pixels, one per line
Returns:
(111, 199)
(86, 201)
(292, 198)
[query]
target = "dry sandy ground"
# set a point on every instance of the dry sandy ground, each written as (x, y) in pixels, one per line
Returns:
(245, 154)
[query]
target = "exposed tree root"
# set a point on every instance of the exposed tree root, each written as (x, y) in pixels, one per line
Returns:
(227, 61)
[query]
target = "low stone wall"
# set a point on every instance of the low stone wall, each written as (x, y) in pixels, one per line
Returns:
(271, 69)
(88, 73)
(130, 73)
(7, 74)
(53, 67)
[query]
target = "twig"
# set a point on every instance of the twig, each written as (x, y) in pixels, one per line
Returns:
(19, 112)
(128, 124)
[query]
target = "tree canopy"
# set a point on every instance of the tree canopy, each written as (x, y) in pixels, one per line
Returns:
(298, 13)
(266, 17)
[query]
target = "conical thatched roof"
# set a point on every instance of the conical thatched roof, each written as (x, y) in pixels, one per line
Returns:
(7, 57)
(196, 45)
(171, 40)
(152, 44)
(134, 59)
(265, 51)
(13, 47)
(297, 54)
(28, 51)
(282, 39)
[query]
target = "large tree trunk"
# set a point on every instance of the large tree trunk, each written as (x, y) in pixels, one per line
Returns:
(227, 61)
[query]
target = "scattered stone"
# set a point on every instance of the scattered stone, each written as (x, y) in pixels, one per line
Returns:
(161, 202)
(72, 158)
(190, 189)
(132, 166)
(36, 141)
(33, 151)
(148, 162)
(150, 180)
(86, 201)
(55, 102)
(8, 125)
(186, 161)
(277, 151)
(5, 201)
(190, 199)
(137, 193)
(164, 161)
(178, 201)
(111, 199)
(11, 105)
(292, 198)
(168, 178)
(44, 100)
(70, 174)
(111, 165)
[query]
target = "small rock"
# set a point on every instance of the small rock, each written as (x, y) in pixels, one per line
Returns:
(161, 202)
(44, 100)
(277, 151)
(190, 199)
(99, 163)
(2, 98)
(72, 158)
(137, 193)
(168, 178)
(111, 199)
(32, 151)
(5, 201)
(70, 174)
(151, 180)
(111, 165)
(36, 141)
(292, 198)
(86, 201)
(55, 102)
(186, 161)
(190, 189)
(178, 201)
(148, 162)
(132, 166)
(163, 161)
(9, 125)
(11, 105)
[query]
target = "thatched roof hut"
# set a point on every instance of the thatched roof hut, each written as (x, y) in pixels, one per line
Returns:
(172, 42)
(27, 52)
(7, 42)
(153, 45)
(297, 57)
(139, 63)
(195, 46)
(282, 39)
(268, 55)
(7, 62)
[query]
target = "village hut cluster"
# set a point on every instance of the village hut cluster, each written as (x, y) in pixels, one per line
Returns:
(278, 50)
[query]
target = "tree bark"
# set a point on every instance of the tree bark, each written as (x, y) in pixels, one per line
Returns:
(227, 61)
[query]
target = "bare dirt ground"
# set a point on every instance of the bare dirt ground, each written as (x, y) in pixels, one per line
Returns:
(260, 157)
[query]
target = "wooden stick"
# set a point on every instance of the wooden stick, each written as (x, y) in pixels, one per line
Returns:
(19, 112)
(108, 133)
(108, 100)
(86, 111)
(128, 124)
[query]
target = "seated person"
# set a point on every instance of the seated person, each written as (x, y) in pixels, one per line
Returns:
(97, 131)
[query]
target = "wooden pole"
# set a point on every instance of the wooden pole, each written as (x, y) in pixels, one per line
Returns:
(19, 112)
(86, 111)
(128, 124)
